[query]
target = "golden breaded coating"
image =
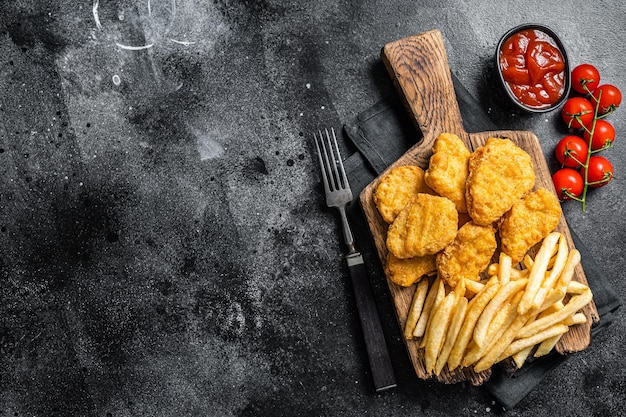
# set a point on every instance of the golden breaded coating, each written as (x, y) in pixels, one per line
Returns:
(468, 254)
(397, 188)
(500, 173)
(448, 169)
(528, 222)
(406, 272)
(424, 227)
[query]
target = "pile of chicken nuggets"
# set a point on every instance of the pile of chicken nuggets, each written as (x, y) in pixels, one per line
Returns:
(444, 220)
(458, 229)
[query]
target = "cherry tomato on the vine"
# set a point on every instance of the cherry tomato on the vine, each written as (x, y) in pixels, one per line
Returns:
(603, 135)
(568, 183)
(599, 171)
(610, 98)
(571, 151)
(581, 167)
(577, 112)
(585, 78)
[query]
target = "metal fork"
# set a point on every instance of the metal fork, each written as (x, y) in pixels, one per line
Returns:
(339, 195)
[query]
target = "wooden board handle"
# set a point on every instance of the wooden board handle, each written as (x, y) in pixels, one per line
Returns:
(419, 68)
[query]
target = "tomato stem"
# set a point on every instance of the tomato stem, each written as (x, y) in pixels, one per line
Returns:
(570, 154)
(608, 144)
(583, 198)
(607, 178)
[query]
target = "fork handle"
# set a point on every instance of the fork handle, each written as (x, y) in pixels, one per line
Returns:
(378, 355)
(347, 233)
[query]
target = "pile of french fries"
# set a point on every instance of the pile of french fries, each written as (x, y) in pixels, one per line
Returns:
(510, 314)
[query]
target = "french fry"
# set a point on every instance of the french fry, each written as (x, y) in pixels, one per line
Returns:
(474, 309)
(420, 327)
(549, 297)
(504, 292)
(519, 273)
(552, 276)
(439, 297)
(523, 343)
(437, 329)
(573, 259)
(559, 263)
(415, 310)
(472, 355)
(502, 343)
(528, 262)
(553, 297)
(575, 287)
(494, 269)
(578, 318)
(459, 290)
(473, 287)
(573, 305)
(459, 299)
(498, 326)
(553, 308)
(537, 272)
(547, 345)
(504, 268)
(502, 318)
(453, 331)
(550, 263)
(520, 357)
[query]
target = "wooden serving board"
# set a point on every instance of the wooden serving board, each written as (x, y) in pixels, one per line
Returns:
(420, 71)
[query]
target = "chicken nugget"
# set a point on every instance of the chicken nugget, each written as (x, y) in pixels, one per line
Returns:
(528, 222)
(448, 169)
(424, 227)
(406, 272)
(468, 254)
(500, 173)
(397, 188)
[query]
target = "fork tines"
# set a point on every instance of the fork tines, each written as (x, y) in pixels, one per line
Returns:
(333, 172)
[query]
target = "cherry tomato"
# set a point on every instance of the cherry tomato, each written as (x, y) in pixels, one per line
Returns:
(610, 97)
(585, 78)
(603, 135)
(599, 171)
(568, 183)
(577, 112)
(571, 151)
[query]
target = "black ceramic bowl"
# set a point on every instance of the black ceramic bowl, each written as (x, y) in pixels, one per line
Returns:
(567, 75)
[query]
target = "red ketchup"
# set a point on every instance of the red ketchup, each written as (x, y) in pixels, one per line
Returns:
(533, 68)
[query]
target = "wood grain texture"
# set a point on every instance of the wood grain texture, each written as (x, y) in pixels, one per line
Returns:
(419, 68)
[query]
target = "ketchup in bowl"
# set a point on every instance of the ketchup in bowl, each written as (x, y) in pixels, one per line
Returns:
(533, 66)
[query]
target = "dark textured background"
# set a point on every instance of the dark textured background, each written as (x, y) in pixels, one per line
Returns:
(164, 249)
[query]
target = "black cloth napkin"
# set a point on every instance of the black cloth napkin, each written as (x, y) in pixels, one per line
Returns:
(382, 133)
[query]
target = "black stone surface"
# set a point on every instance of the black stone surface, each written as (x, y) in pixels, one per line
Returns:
(164, 245)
